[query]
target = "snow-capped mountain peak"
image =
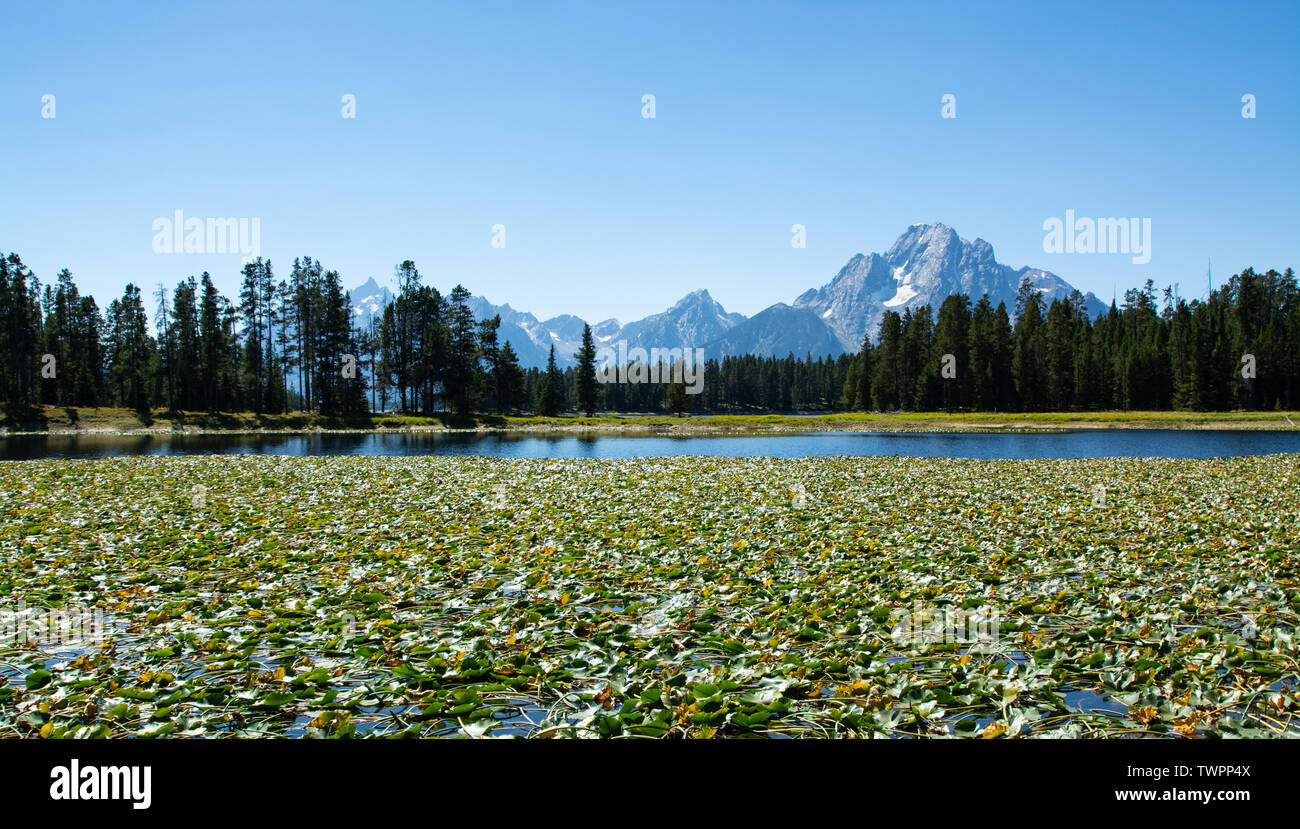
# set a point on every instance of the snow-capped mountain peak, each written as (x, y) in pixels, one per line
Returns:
(924, 266)
(368, 302)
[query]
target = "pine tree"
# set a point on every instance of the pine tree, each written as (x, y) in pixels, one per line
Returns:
(254, 307)
(952, 337)
(129, 350)
(886, 385)
(213, 360)
(1003, 378)
(21, 331)
(551, 398)
(509, 379)
(586, 373)
(490, 352)
(920, 368)
(1059, 355)
(462, 373)
(983, 395)
(1027, 358)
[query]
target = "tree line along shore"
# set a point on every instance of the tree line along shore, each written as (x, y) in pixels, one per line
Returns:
(289, 351)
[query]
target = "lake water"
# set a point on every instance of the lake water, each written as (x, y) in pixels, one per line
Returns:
(1080, 444)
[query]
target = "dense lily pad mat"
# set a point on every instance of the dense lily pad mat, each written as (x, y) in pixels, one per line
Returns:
(368, 596)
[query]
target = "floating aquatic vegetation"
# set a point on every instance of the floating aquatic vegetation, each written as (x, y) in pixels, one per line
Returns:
(661, 597)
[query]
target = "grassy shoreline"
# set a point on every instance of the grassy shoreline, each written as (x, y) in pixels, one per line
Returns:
(52, 420)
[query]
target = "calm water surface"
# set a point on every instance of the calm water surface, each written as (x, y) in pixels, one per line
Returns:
(1080, 444)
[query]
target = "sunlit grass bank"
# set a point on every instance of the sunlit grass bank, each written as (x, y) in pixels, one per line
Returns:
(54, 419)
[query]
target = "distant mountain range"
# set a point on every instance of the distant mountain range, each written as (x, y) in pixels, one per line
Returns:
(927, 264)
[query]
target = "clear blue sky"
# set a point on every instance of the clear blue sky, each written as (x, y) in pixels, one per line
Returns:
(529, 115)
